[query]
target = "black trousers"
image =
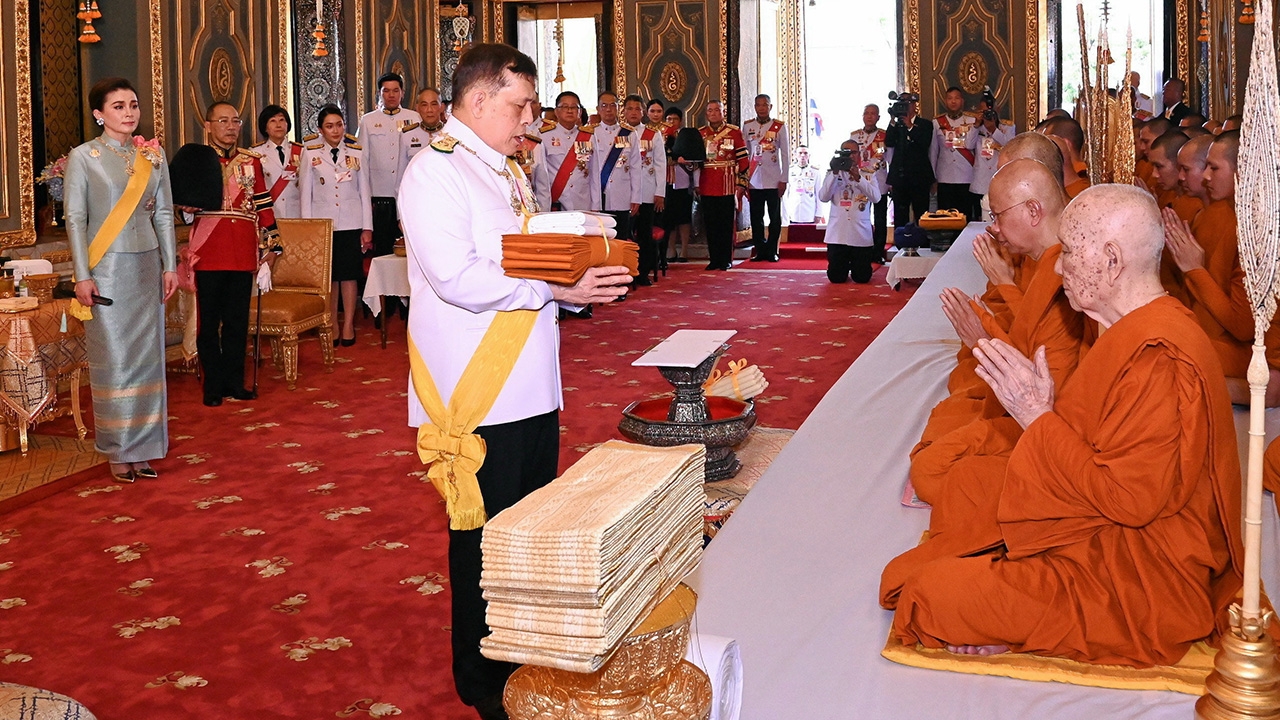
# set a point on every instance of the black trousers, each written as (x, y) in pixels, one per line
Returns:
(643, 235)
(223, 300)
(956, 196)
(766, 248)
(522, 457)
(909, 203)
(623, 218)
(845, 261)
(717, 217)
(880, 226)
(386, 226)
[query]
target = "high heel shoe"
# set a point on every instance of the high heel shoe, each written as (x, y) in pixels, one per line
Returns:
(127, 476)
(146, 473)
(348, 342)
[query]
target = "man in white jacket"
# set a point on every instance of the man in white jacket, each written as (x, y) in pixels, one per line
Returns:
(457, 200)
(850, 240)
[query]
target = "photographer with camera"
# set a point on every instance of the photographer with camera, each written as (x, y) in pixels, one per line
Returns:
(852, 193)
(910, 170)
(985, 142)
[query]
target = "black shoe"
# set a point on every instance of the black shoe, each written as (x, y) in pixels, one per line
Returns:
(712, 266)
(212, 400)
(682, 260)
(241, 394)
(775, 258)
(491, 708)
(759, 258)
(348, 342)
(641, 281)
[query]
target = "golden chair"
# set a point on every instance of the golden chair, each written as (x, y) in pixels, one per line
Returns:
(299, 299)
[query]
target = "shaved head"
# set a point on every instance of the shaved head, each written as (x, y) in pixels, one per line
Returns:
(1112, 237)
(1191, 161)
(1032, 146)
(1164, 158)
(1026, 202)
(1068, 130)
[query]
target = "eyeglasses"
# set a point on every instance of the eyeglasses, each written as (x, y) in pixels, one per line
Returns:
(995, 216)
(233, 122)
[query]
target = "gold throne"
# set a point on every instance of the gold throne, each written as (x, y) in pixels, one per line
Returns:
(299, 299)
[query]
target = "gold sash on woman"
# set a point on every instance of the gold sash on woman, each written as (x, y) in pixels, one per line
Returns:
(114, 223)
(448, 446)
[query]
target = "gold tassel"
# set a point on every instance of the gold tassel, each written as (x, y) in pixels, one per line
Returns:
(94, 14)
(1246, 13)
(88, 34)
(320, 49)
(1204, 27)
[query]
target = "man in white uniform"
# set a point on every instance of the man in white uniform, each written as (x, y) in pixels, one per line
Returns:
(458, 199)
(952, 161)
(615, 166)
(870, 139)
(560, 186)
(379, 135)
(802, 190)
(769, 150)
(280, 160)
(652, 170)
(414, 138)
(850, 244)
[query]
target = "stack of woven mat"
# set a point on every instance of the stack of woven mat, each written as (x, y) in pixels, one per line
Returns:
(571, 569)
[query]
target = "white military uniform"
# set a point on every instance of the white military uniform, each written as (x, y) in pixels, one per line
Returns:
(769, 151)
(949, 164)
(624, 181)
(557, 142)
(289, 203)
(802, 194)
(336, 190)
(456, 207)
(874, 153)
(653, 164)
(379, 136)
(851, 197)
(413, 140)
(986, 153)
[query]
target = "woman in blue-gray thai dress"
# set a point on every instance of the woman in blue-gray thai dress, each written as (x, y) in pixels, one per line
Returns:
(120, 226)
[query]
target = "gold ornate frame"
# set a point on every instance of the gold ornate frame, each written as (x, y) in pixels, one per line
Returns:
(791, 78)
(155, 30)
(16, 229)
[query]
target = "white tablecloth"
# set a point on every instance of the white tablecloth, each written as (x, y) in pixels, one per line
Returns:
(794, 576)
(904, 267)
(388, 275)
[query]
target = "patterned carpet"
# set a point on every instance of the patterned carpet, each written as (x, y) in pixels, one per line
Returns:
(290, 561)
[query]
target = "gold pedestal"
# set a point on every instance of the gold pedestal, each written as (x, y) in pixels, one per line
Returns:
(1245, 682)
(647, 678)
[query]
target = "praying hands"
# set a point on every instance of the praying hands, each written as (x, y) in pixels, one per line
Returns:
(1024, 387)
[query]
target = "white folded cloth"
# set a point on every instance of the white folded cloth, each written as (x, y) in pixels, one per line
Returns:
(573, 223)
(721, 660)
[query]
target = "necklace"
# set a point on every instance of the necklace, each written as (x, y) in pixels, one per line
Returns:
(523, 201)
(128, 157)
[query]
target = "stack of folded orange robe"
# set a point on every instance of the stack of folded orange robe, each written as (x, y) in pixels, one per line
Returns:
(559, 247)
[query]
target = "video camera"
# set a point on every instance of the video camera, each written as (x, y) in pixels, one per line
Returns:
(901, 106)
(842, 161)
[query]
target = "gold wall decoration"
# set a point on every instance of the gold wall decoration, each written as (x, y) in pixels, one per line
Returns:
(395, 36)
(673, 49)
(973, 73)
(943, 36)
(59, 68)
(1182, 15)
(155, 33)
(17, 190)
(791, 105)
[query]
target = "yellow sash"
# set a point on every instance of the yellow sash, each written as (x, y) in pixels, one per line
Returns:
(448, 447)
(115, 222)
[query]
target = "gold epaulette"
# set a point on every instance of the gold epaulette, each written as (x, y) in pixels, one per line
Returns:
(632, 128)
(533, 138)
(589, 129)
(1007, 122)
(250, 153)
(547, 126)
(970, 113)
(317, 146)
(731, 126)
(295, 144)
(409, 127)
(350, 141)
(309, 138)
(444, 143)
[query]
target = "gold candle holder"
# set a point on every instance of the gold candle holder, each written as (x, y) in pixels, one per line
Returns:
(1245, 682)
(647, 677)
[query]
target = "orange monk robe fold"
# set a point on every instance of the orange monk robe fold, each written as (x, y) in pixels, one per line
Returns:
(1271, 470)
(961, 472)
(1120, 513)
(1217, 293)
(1077, 187)
(1186, 207)
(966, 391)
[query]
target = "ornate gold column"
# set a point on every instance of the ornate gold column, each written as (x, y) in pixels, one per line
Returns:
(156, 32)
(792, 81)
(17, 194)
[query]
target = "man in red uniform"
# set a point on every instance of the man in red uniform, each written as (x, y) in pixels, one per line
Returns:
(225, 252)
(724, 178)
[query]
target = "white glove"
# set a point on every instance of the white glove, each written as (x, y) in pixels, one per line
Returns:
(264, 277)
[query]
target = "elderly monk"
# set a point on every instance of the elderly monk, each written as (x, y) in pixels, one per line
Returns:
(1120, 511)
(1007, 277)
(1208, 256)
(1069, 137)
(960, 473)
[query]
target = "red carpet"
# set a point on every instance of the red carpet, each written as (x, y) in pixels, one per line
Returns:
(290, 561)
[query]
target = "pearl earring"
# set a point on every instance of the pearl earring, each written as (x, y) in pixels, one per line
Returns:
(100, 121)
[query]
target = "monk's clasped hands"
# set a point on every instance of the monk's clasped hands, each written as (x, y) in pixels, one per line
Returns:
(997, 268)
(1024, 387)
(1187, 253)
(955, 305)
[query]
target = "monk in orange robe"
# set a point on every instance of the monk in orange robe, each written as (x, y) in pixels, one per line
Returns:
(1147, 134)
(1069, 137)
(1120, 511)
(1007, 277)
(1208, 256)
(1168, 191)
(960, 473)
